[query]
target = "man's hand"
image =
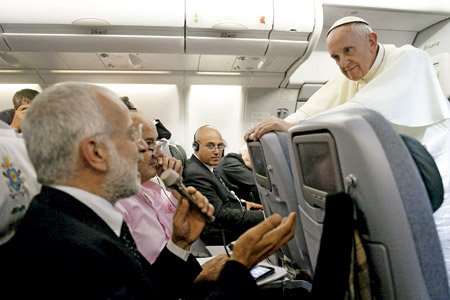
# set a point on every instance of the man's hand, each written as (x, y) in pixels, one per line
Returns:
(212, 268)
(271, 124)
(188, 222)
(246, 158)
(166, 162)
(253, 205)
(19, 115)
(263, 239)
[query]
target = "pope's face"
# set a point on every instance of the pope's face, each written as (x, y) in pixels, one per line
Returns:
(353, 53)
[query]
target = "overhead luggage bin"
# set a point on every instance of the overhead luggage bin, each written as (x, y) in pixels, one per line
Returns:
(293, 25)
(232, 27)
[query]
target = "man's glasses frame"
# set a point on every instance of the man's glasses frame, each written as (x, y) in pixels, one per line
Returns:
(210, 147)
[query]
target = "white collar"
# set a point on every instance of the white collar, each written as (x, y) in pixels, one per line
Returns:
(8, 132)
(376, 64)
(102, 207)
(211, 168)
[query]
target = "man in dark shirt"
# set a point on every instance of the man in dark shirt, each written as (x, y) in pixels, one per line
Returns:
(236, 169)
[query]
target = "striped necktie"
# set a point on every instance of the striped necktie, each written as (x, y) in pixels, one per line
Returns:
(220, 179)
(226, 187)
(127, 238)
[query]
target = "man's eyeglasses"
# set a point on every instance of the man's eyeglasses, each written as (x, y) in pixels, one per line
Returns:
(211, 147)
(155, 147)
(136, 133)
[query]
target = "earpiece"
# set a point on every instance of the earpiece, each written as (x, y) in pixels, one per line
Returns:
(226, 145)
(195, 146)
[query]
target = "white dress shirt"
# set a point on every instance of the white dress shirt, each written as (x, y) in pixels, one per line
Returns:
(105, 210)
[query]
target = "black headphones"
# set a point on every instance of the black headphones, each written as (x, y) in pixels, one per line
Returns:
(195, 144)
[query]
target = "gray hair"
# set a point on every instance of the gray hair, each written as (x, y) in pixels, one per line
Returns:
(56, 124)
(361, 29)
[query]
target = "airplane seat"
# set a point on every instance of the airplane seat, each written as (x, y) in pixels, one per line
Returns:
(178, 152)
(358, 152)
(271, 166)
(173, 150)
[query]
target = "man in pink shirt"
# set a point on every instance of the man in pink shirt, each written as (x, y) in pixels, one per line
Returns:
(149, 214)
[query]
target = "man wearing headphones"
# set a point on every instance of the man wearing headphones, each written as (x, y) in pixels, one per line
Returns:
(233, 216)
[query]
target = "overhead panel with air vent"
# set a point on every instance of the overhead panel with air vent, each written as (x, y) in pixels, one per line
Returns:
(93, 26)
(180, 36)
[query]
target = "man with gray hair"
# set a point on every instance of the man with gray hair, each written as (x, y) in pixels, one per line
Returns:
(400, 83)
(73, 244)
(85, 150)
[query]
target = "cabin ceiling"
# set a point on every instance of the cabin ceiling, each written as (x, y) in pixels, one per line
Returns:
(393, 26)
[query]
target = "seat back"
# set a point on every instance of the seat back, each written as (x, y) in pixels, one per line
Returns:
(271, 165)
(356, 150)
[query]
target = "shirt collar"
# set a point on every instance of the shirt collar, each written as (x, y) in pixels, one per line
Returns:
(8, 132)
(211, 168)
(102, 207)
(376, 64)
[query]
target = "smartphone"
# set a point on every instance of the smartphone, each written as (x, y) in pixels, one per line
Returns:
(259, 272)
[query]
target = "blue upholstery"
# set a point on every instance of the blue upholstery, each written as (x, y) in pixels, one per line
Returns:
(379, 173)
(280, 197)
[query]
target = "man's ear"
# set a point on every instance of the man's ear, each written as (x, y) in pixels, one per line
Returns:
(373, 40)
(95, 154)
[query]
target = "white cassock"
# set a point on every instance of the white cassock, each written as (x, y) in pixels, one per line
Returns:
(403, 87)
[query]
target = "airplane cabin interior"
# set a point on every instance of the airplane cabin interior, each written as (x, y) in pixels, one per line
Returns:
(233, 64)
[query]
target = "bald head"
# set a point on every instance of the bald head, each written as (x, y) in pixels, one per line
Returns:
(209, 140)
(354, 49)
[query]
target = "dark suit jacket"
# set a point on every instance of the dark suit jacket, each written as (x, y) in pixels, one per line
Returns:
(62, 249)
(232, 167)
(228, 212)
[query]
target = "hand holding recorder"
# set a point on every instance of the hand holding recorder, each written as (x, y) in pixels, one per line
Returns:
(172, 180)
(191, 215)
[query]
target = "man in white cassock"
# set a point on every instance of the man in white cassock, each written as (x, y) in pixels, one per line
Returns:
(400, 83)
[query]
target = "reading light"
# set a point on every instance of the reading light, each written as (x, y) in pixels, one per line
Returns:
(220, 73)
(107, 72)
(11, 71)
